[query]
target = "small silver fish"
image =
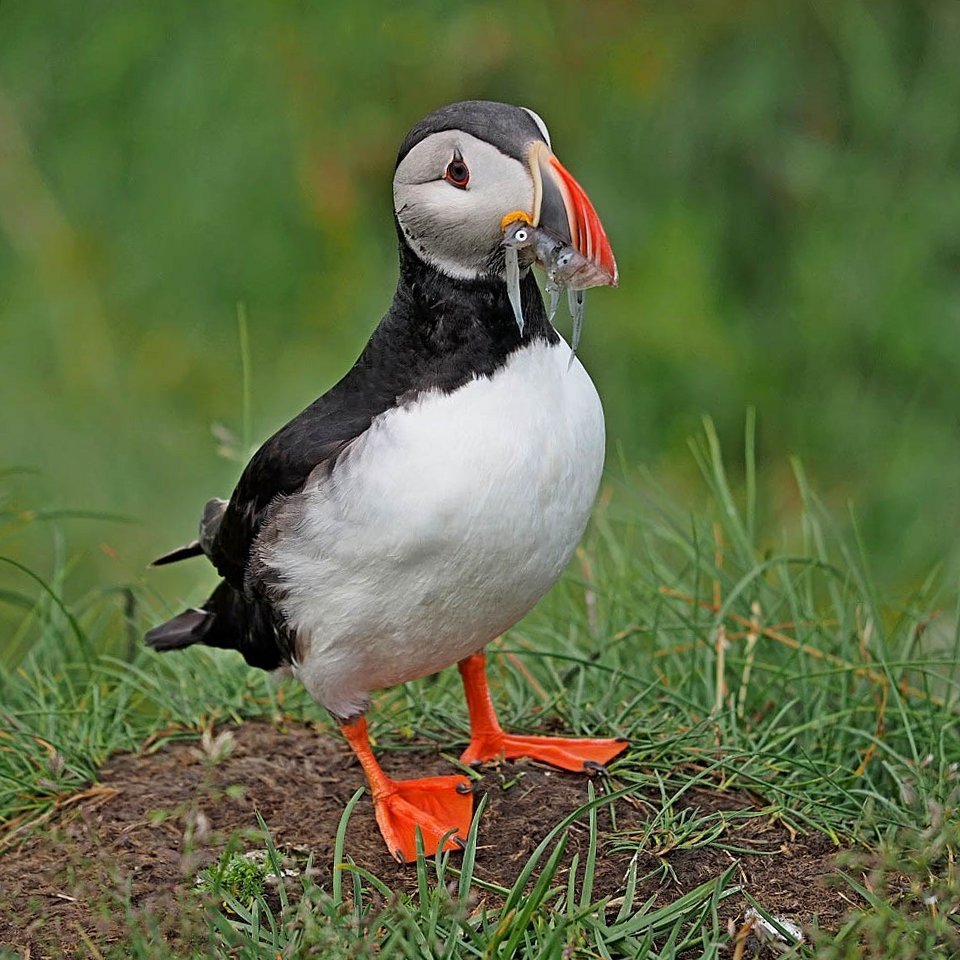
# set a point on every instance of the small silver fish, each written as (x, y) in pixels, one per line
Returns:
(575, 301)
(566, 269)
(511, 273)
(565, 266)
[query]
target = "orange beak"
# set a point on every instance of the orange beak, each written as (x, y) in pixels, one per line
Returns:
(562, 207)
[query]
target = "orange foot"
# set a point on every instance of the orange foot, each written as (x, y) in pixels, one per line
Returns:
(436, 805)
(488, 741)
(578, 755)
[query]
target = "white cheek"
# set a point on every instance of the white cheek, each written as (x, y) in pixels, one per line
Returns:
(458, 231)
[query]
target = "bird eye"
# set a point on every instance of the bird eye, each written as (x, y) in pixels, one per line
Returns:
(457, 172)
(521, 235)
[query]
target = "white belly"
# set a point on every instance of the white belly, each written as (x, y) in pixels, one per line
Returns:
(440, 527)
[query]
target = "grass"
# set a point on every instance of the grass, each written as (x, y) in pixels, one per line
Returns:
(728, 663)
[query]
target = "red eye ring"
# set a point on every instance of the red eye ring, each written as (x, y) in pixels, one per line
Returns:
(457, 173)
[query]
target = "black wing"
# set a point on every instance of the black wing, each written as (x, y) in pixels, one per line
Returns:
(234, 616)
(282, 465)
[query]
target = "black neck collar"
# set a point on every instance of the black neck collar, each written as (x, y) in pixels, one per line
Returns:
(439, 334)
(453, 313)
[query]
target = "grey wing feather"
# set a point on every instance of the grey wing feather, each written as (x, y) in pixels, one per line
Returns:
(209, 525)
(210, 522)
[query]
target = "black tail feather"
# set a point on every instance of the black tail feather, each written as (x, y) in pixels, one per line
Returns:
(182, 631)
(209, 525)
(228, 620)
(181, 553)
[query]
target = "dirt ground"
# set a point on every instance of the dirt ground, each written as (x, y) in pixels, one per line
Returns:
(157, 817)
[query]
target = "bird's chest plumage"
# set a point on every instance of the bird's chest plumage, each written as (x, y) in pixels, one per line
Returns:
(440, 527)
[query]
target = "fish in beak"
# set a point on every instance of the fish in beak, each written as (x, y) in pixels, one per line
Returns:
(563, 234)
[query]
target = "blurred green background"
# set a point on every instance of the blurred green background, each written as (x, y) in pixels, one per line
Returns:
(780, 182)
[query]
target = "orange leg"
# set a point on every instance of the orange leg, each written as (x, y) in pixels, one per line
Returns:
(488, 741)
(436, 805)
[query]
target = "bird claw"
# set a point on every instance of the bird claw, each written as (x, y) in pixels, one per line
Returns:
(595, 769)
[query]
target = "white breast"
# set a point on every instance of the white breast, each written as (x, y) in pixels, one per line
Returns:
(440, 527)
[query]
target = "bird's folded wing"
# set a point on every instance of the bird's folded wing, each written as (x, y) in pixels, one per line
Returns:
(281, 467)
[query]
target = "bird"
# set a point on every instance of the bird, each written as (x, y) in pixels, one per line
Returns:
(427, 501)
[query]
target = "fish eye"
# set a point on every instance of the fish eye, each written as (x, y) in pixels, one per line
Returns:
(457, 172)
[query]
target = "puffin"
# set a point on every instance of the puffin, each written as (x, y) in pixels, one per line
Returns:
(425, 503)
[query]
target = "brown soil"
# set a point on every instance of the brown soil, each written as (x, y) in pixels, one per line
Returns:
(130, 840)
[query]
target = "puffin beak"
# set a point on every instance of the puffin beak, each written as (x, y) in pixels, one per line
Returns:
(562, 207)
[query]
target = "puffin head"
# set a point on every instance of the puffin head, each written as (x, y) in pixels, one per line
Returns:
(466, 169)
